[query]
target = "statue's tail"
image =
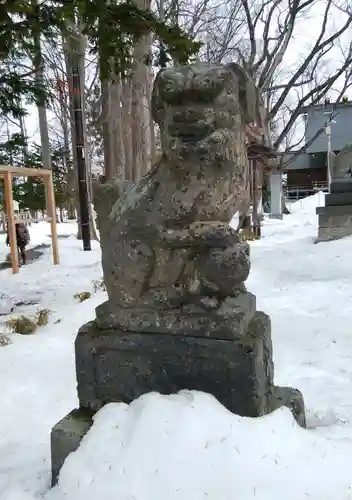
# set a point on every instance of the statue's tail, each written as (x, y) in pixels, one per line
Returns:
(104, 198)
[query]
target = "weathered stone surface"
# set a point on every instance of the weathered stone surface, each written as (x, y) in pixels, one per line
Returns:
(227, 320)
(293, 399)
(341, 186)
(335, 210)
(334, 227)
(117, 366)
(167, 241)
(335, 218)
(127, 366)
(66, 436)
(339, 199)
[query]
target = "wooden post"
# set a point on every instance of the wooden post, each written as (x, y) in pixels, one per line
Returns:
(51, 210)
(11, 222)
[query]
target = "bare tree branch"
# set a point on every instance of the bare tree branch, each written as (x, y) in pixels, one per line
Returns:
(315, 95)
(251, 31)
(316, 50)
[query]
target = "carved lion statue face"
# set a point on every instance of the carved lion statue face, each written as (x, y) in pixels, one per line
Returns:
(201, 110)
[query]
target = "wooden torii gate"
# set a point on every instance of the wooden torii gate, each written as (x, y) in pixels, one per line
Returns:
(8, 173)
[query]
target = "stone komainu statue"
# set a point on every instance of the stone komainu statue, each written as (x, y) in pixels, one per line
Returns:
(178, 314)
(166, 241)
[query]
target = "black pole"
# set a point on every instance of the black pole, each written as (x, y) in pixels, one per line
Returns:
(81, 163)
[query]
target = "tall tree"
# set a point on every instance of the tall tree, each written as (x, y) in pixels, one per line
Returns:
(38, 63)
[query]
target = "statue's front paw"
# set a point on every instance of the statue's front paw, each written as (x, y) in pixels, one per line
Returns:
(211, 231)
(224, 269)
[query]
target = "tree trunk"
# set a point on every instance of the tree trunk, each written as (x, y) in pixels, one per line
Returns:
(24, 135)
(139, 153)
(126, 134)
(41, 100)
(152, 139)
(109, 167)
(139, 105)
(117, 128)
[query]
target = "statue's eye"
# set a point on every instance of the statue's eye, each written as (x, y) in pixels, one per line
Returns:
(168, 87)
(207, 82)
(223, 115)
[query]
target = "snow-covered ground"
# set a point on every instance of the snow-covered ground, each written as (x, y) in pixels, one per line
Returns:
(188, 446)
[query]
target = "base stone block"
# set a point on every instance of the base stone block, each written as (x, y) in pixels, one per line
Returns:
(66, 436)
(341, 186)
(118, 366)
(292, 399)
(334, 227)
(338, 199)
(229, 322)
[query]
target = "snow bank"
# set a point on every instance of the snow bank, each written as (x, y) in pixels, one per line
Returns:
(302, 219)
(189, 447)
(307, 206)
(300, 224)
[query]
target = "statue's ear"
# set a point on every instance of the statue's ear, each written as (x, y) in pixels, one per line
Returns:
(156, 104)
(247, 93)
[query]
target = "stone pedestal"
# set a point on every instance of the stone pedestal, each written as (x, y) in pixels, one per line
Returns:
(335, 219)
(117, 366)
(113, 365)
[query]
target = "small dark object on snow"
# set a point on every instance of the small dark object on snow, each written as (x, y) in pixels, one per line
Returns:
(22, 238)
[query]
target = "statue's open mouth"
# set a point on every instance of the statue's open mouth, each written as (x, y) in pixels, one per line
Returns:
(191, 132)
